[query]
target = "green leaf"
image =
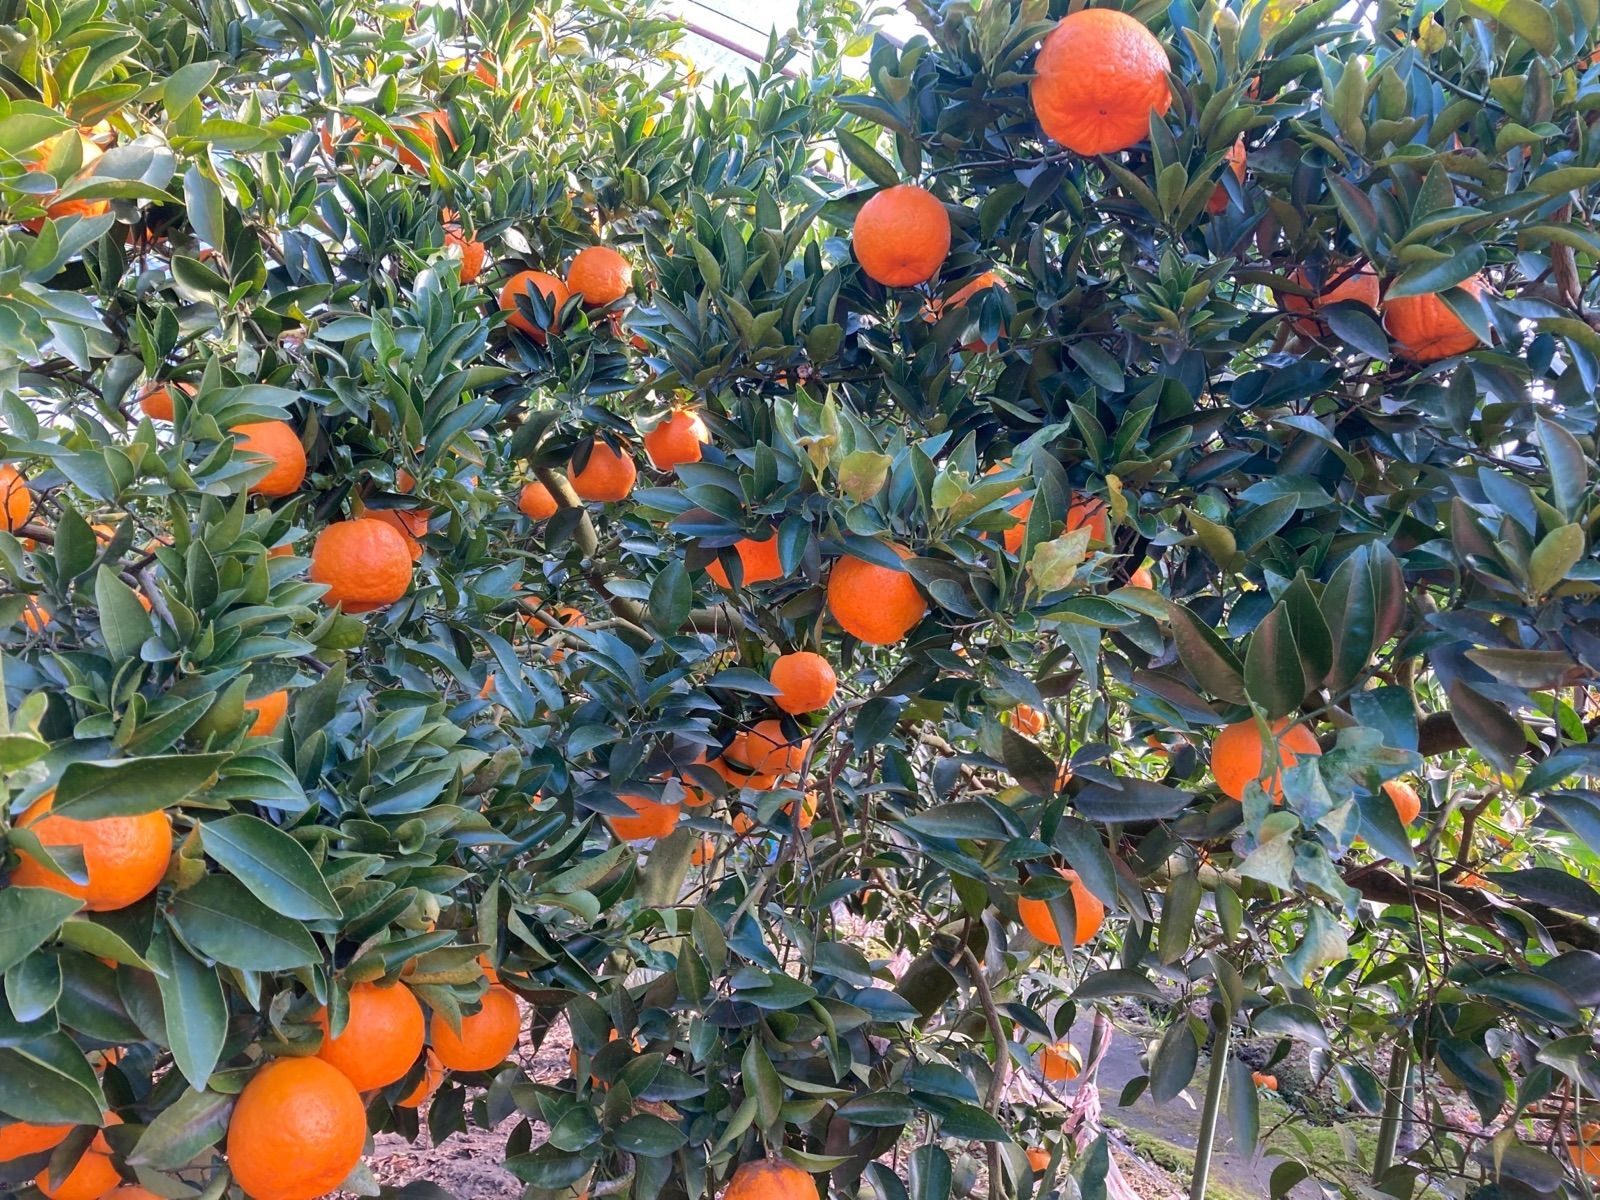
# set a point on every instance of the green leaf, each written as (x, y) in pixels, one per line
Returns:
(196, 1013)
(1244, 1107)
(1539, 998)
(649, 1136)
(29, 917)
(203, 200)
(879, 1110)
(221, 919)
(1557, 553)
(183, 1130)
(760, 1079)
(1273, 676)
(124, 623)
(132, 787)
(867, 160)
(1119, 981)
(1528, 19)
(1085, 851)
(671, 597)
(1207, 657)
(276, 868)
(1174, 1062)
(930, 1176)
(1292, 1021)
(1431, 278)
(1487, 726)
(47, 1080)
(185, 84)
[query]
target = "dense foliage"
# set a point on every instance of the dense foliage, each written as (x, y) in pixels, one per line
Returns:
(1165, 471)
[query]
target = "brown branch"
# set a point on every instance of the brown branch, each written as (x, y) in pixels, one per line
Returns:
(1002, 1059)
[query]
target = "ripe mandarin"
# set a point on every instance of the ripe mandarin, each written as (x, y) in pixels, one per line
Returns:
(279, 444)
(298, 1129)
(1088, 912)
(124, 857)
(758, 559)
(676, 439)
(877, 604)
(1426, 330)
(487, 1036)
(381, 1039)
(364, 562)
(1238, 757)
(608, 476)
(901, 236)
(524, 284)
(805, 682)
(599, 275)
(1099, 76)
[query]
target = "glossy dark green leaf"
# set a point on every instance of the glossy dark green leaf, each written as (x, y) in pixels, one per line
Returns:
(276, 868)
(221, 919)
(29, 917)
(196, 1013)
(89, 790)
(1173, 1064)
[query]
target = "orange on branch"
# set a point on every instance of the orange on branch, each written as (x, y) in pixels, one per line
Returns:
(297, 1130)
(1347, 282)
(487, 1036)
(1238, 757)
(21, 1139)
(91, 1177)
(156, 399)
(770, 1179)
(758, 559)
(901, 236)
(877, 604)
(364, 562)
(599, 275)
(651, 819)
(1099, 78)
(1407, 804)
(1060, 1063)
(468, 251)
(1088, 913)
(676, 439)
(805, 682)
(410, 523)
(1234, 161)
(1425, 329)
(536, 502)
(526, 283)
(279, 445)
(433, 1074)
(16, 499)
(1038, 1158)
(124, 857)
(381, 1039)
(608, 476)
(268, 712)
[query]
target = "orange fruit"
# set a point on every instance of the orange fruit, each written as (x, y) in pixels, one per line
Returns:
(525, 283)
(1262, 1080)
(767, 750)
(759, 560)
(736, 773)
(469, 251)
(411, 523)
(651, 819)
(536, 502)
(381, 1038)
(1233, 161)
(125, 857)
(901, 236)
(935, 308)
(807, 814)
(743, 823)
(608, 475)
(427, 126)
(1091, 513)
(298, 1128)
(1089, 913)
(1099, 76)
(600, 275)
(1407, 804)
(279, 444)
(877, 604)
(269, 712)
(805, 682)
(1585, 1150)
(22, 1138)
(487, 1036)
(91, 155)
(1237, 756)
(1038, 1158)
(676, 439)
(1358, 283)
(16, 499)
(1425, 329)
(770, 1179)
(433, 1074)
(705, 850)
(91, 1177)
(570, 617)
(156, 399)
(1060, 1063)
(364, 562)
(1026, 719)
(35, 616)
(1142, 578)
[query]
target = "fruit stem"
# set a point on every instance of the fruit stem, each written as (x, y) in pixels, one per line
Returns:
(1213, 1106)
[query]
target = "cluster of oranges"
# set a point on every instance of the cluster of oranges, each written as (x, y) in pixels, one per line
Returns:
(1099, 79)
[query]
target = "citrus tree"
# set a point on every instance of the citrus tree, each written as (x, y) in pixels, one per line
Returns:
(821, 588)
